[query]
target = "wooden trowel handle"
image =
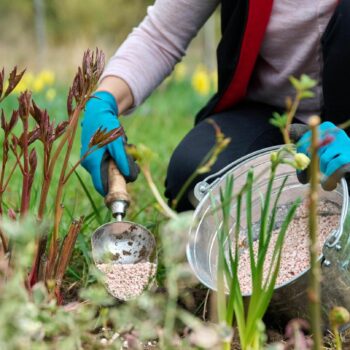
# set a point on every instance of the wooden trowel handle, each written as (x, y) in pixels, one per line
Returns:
(116, 186)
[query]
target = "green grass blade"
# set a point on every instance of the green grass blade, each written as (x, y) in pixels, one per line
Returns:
(235, 303)
(264, 219)
(263, 248)
(250, 179)
(231, 269)
(85, 250)
(224, 240)
(281, 236)
(263, 252)
(266, 294)
(88, 195)
(221, 297)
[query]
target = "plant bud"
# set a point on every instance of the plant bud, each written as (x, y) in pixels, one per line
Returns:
(13, 80)
(338, 316)
(13, 120)
(302, 161)
(24, 100)
(273, 157)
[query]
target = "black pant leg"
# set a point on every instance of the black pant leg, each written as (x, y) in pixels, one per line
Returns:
(336, 69)
(247, 124)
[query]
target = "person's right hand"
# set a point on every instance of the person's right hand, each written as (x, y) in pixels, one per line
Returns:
(101, 111)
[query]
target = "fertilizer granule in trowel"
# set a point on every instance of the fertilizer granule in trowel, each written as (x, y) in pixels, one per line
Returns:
(295, 253)
(126, 281)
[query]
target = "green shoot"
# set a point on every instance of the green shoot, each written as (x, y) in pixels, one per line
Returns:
(249, 320)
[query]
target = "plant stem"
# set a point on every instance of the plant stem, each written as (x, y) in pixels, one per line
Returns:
(206, 164)
(315, 273)
(338, 343)
(3, 167)
(65, 137)
(226, 346)
(71, 131)
(42, 240)
(290, 116)
(26, 178)
(4, 186)
(344, 125)
(75, 166)
(166, 209)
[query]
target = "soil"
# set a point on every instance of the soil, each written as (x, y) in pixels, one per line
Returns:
(127, 281)
(295, 253)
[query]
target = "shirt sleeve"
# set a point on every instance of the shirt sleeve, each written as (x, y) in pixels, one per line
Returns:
(151, 51)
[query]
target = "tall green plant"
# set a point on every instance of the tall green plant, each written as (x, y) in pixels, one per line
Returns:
(249, 320)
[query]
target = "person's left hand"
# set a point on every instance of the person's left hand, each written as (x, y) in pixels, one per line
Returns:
(334, 152)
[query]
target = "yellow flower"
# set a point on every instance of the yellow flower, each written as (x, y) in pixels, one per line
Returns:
(47, 76)
(201, 81)
(38, 84)
(50, 94)
(180, 72)
(302, 161)
(26, 83)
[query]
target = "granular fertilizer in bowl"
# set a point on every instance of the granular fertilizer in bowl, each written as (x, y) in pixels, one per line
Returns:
(295, 252)
(127, 281)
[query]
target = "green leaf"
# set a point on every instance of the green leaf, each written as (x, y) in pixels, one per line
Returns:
(306, 82)
(296, 83)
(221, 298)
(279, 120)
(307, 94)
(267, 292)
(250, 179)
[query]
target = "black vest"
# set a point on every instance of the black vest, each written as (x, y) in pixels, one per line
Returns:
(243, 24)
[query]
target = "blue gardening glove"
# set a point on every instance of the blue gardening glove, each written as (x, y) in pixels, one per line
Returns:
(334, 154)
(101, 111)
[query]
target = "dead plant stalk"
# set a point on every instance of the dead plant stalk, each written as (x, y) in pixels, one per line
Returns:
(315, 271)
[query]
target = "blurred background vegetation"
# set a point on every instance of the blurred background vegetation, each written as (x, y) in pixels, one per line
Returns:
(48, 38)
(53, 34)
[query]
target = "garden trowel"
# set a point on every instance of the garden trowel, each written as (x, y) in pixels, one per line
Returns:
(121, 242)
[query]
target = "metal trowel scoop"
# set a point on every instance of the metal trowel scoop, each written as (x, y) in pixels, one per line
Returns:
(121, 242)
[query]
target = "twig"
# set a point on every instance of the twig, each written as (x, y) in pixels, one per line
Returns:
(315, 275)
(207, 162)
(166, 209)
(18, 158)
(290, 116)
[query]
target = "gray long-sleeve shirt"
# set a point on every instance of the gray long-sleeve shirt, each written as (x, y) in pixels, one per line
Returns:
(291, 46)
